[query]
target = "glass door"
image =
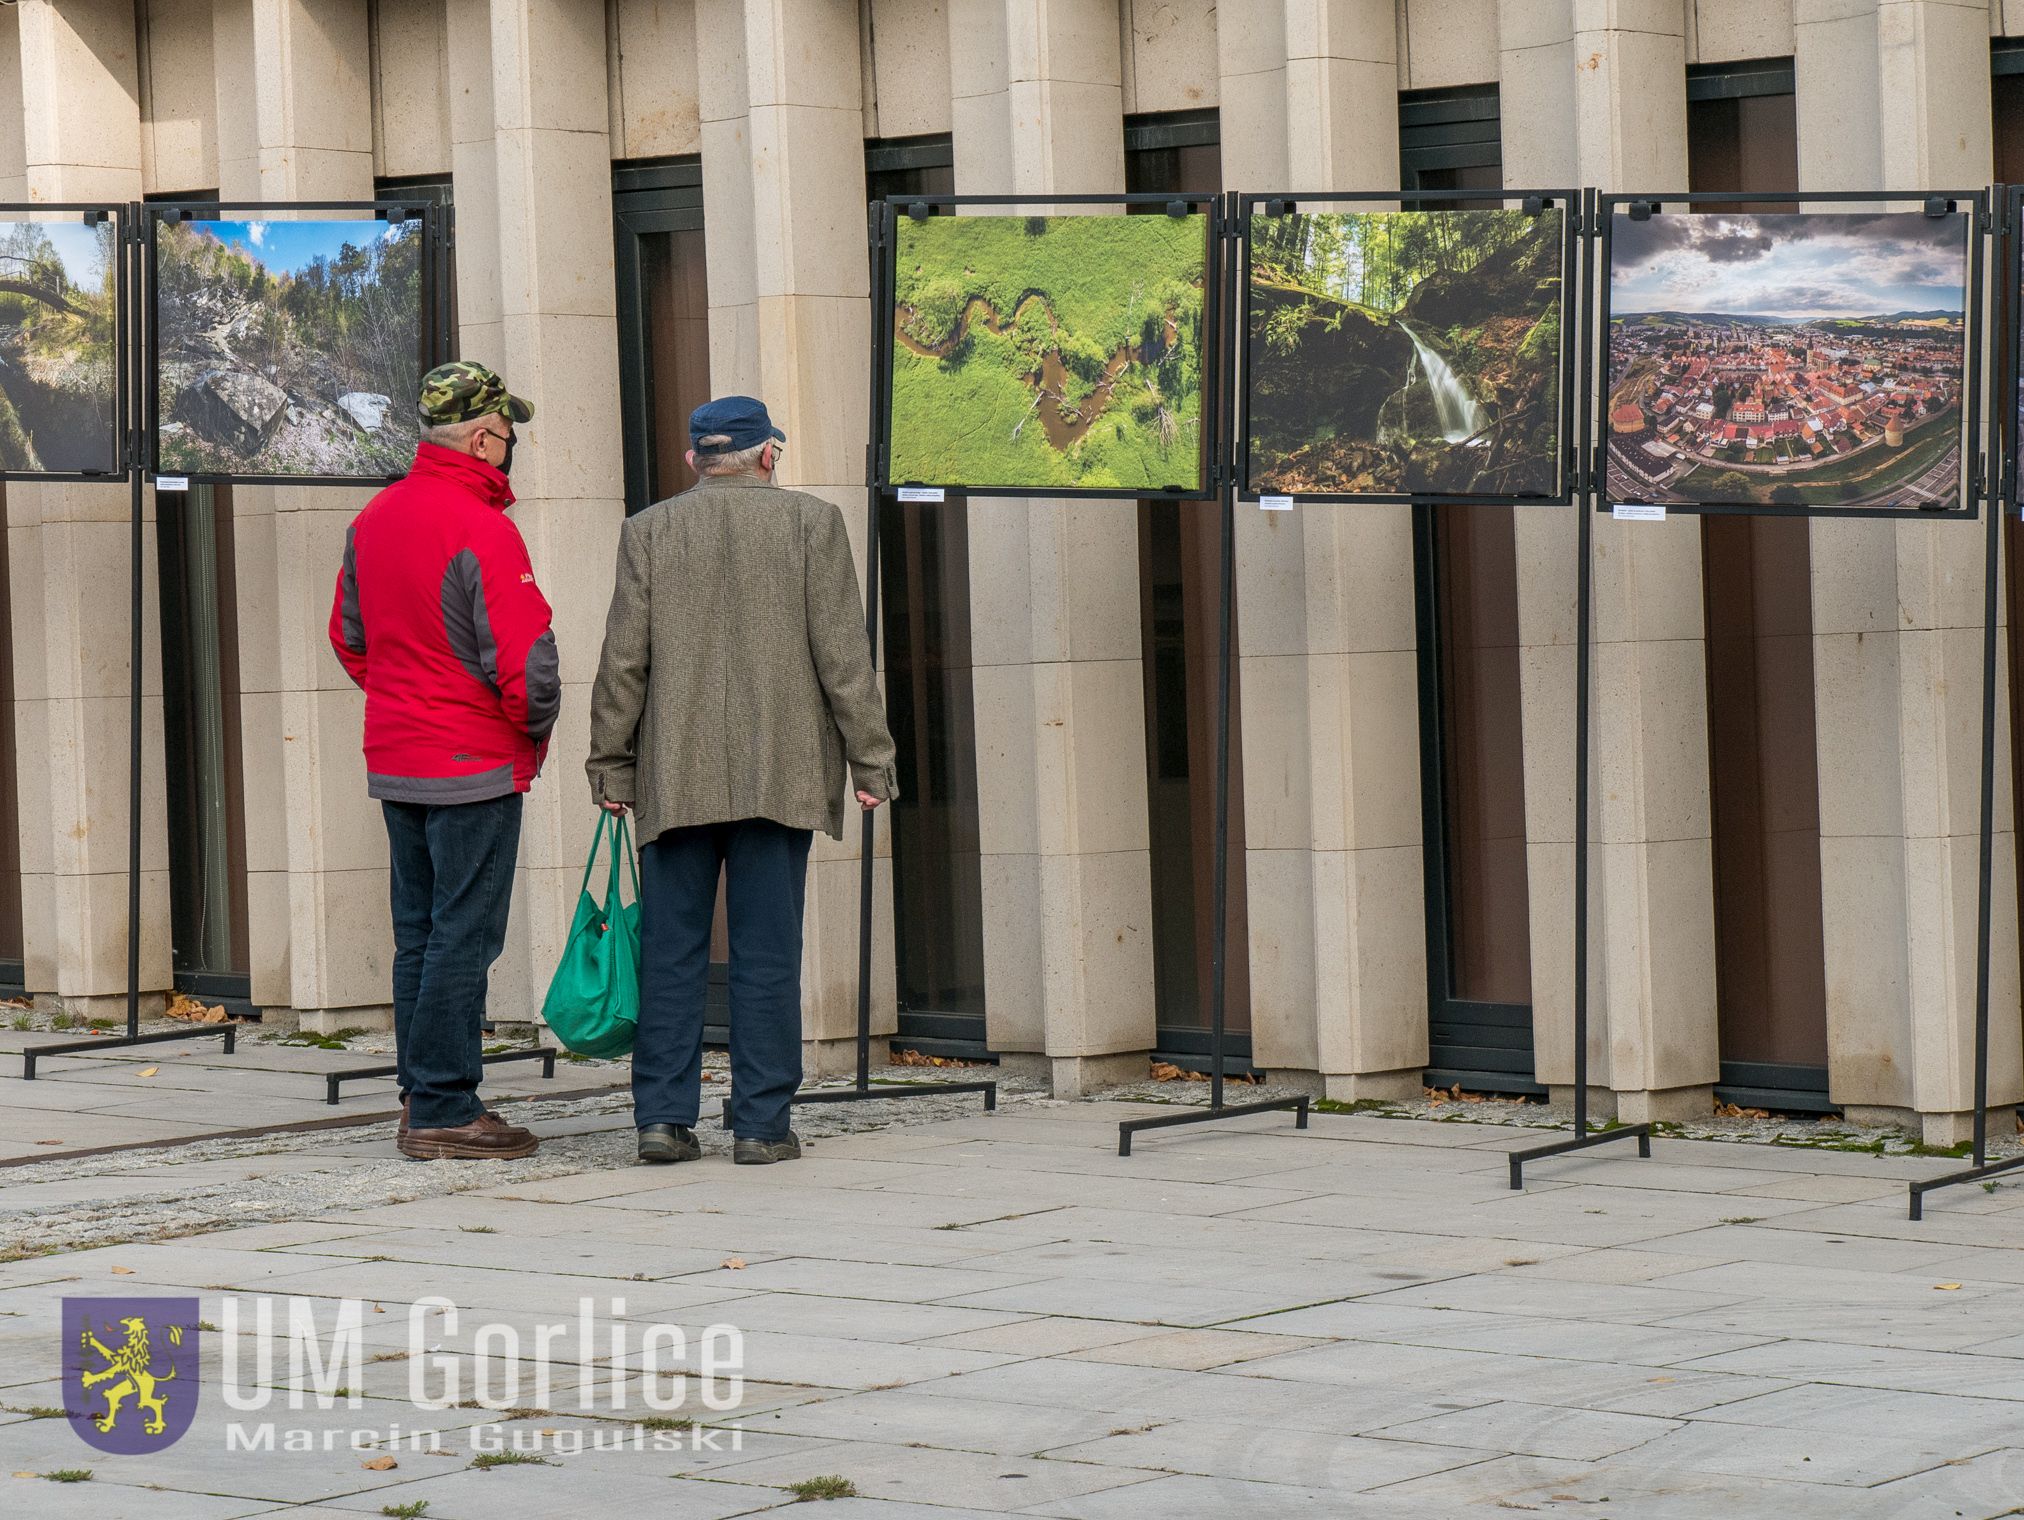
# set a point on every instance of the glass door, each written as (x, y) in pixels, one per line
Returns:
(1472, 753)
(1763, 761)
(1180, 581)
(924, 549)
(201, 743)
(11, 946)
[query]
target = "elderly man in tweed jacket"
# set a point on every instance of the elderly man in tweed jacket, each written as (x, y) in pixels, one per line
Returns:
(736, 682)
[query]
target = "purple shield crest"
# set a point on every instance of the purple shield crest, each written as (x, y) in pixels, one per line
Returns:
(130, 1371)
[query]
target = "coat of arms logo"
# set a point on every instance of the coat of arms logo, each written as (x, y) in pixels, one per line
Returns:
(130, 1371)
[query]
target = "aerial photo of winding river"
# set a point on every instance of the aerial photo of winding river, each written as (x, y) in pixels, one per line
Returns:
(1405, 351)
(58, 361)
(1043, 353)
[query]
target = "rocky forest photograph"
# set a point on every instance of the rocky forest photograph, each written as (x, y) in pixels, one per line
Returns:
(1048, 352)
(1394, 352)
(288, 348)
(59, 408)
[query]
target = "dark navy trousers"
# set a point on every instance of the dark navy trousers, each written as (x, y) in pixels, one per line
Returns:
(452, 885)
(765, 868)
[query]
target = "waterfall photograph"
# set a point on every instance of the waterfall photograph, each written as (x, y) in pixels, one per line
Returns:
(1048, 352)
(288, 348)
(59, 411)
(1395, 352)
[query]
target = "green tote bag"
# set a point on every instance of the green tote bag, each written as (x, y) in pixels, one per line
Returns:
(593, 1003)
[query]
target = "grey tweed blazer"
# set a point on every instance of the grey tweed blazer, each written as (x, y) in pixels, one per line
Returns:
(736, 680)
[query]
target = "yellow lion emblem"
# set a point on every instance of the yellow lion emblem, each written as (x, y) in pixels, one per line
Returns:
(132, 1364)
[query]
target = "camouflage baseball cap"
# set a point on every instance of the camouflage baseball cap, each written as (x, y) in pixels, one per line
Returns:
(462, 390)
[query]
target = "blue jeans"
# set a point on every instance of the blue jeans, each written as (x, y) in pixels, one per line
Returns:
(452, 883)
(765, 867)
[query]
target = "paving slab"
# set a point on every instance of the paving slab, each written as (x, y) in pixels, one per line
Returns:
(1354, 1321)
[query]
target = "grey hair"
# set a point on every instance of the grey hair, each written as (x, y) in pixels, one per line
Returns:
(452, 435)
(742, 462)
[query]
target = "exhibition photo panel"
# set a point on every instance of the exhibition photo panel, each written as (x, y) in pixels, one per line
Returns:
(287, 349)
(1050, 354)
(1802, 361)
(1407, 353)
(60, 335)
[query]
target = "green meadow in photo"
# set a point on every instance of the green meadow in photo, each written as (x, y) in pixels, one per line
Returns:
(1048, 352)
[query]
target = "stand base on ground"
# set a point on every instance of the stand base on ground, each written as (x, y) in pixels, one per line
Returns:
(332, 1080)
(1207, 1115)
(1642, 1133)
(891, 1090)
(114, 1042)
(1976, 1173)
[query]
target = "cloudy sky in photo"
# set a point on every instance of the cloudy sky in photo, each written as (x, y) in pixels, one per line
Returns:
(1788, 264)
(287, 247)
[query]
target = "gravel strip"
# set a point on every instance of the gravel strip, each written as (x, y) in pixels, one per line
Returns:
(332, 1177)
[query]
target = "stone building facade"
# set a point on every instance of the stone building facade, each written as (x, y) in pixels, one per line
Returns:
(655, 197)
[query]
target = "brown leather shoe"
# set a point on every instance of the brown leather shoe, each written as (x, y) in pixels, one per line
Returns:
(404, 1118)
(486, 1138)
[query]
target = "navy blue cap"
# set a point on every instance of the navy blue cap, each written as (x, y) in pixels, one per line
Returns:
(742, 419)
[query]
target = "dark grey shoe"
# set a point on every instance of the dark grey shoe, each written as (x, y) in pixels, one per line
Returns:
(765, 1152)
(661, 1143)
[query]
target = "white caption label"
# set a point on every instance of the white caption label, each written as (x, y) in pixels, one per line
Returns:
(920, 493)
(172, 482)
(1275, 504)
(1638, 511)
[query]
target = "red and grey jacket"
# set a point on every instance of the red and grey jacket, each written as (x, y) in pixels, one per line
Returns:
(438, 620)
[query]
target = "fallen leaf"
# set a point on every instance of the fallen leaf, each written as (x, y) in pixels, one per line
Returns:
(1166, 1071)
(27, 1475)
(735, 1263)
(191, 1011)
(123, 1271)
(380, 1464)
(149, 1071)
(1946, 1287)
(49, 1142)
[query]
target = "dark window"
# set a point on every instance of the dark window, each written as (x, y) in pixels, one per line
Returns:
(924, 549)
(663, 321)
(1180, 582)
(201, 742)
(1763, 765)
(439, 320)
(197, 575)
(1472, 767)
(2007, 90)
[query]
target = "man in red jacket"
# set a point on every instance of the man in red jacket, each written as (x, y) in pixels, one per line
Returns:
(438, 620)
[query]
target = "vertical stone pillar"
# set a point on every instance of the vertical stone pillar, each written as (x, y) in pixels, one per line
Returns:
(1896, 95)
(1054, 611)
(555, 343)
(295, 123)
(1605, 105)
(69, 554)
(782, 107)
(1326, 629)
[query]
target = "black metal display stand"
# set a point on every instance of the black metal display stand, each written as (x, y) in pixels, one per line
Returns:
(128, 463)
(2010, 246)
(1585, 1137)
(1226, 232)
(1595, 487)
(134, 457)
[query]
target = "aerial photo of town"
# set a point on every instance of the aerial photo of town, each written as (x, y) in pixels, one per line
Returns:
(1791, 359)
